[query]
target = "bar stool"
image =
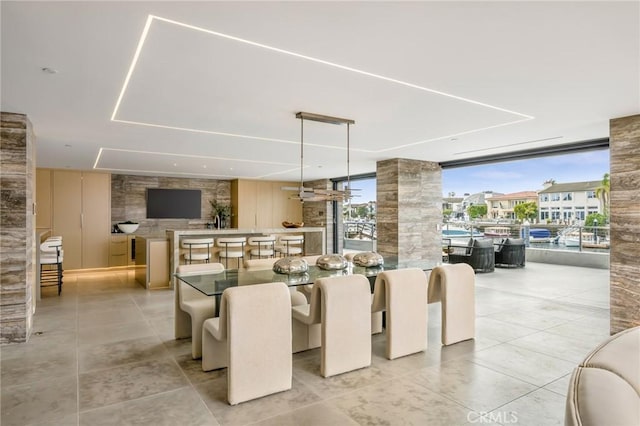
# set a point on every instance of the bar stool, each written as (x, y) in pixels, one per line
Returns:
(289, 245)
(51, 257)
(231, 248)
(265, 246)
(197, 244)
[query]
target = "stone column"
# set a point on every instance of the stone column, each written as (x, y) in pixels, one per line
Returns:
(17, 227)
(318, 213)
(624, 141)
(409, 209)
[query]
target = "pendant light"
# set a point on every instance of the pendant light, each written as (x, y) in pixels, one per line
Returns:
(311, 194)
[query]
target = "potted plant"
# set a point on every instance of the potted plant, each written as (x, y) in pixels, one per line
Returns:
(220, 213)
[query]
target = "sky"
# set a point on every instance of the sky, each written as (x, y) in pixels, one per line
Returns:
(526, 175)
(512, 176)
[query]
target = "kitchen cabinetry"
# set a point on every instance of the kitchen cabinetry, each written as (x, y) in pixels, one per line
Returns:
(43, 198)
(121, 250)
(80, 213)
(152, 262)
(262, 204)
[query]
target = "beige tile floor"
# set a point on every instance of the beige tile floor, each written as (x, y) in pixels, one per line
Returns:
(104, 354)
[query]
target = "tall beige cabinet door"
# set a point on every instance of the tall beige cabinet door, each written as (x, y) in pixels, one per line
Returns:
(67, 215)
(264, 205)
(243, 203)
(43, 198)
(284, 208)
(96, 219)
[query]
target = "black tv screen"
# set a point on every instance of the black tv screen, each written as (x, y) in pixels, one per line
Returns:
(173, 203)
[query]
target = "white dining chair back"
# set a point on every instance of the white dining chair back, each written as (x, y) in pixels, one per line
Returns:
(246, 323)
(403, 295)
(454, 287)
(342, 305)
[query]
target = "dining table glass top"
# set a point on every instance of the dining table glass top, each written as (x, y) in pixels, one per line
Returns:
(214, 283)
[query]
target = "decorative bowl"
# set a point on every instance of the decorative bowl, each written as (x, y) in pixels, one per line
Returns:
(292, 224)
(368, 259)
(128, 228)
(291, 265)
(331, 261)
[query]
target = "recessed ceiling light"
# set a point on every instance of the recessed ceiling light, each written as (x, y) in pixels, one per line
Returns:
(175, 164)
(204, 166)
(48, 70)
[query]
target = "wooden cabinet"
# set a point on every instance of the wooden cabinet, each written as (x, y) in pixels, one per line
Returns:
(262, 204)
(152, 262)
(96, 219)
(43, 198)
(118, 250)
(81, 214)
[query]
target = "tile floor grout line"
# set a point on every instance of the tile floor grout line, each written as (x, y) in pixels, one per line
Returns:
(140, 398)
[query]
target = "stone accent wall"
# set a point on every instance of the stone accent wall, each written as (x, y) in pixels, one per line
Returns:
(624, 139)
(319, 213)
(17, 227)
(409, 209)
(128, 201)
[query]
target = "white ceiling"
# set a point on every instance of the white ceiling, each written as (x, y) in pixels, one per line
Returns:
(210, 89)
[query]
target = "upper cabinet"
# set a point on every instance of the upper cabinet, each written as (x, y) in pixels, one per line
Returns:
(262, 204)
(77, 206)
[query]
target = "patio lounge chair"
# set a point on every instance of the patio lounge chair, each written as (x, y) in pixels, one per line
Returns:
(478, 254)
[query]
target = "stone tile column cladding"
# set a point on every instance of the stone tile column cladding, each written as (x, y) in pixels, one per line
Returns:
(624, 141)
(409, 209)
(318, 213)
(17, 227)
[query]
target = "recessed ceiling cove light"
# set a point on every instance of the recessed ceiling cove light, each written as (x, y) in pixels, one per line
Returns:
(518, 117)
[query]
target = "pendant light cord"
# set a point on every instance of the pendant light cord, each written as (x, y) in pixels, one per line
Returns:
(301, 154)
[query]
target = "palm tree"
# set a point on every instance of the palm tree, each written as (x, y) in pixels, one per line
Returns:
(602, 192)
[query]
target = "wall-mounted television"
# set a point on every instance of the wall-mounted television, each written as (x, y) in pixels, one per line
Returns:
(173, 203)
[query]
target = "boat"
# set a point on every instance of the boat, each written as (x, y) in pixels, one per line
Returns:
(497, 232)
(449, 231)
(574, 239)
(539, 235)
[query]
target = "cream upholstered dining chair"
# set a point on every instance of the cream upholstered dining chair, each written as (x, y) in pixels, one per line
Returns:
(290, 245)
(232, 247)
(303, 336)
(454, 287)
(342, 305)
(263, 246)
(192, 307)
(252, 339)
(196, 249)
(403, 295)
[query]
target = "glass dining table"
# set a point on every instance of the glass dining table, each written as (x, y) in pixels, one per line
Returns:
(214, 284)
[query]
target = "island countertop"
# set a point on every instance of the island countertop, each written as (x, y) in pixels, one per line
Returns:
(245, 231)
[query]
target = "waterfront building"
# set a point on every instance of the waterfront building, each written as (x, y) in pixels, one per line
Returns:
(568, 202)
(501, 206)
